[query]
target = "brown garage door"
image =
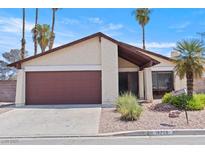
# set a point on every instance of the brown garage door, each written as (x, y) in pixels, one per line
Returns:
(83, 87)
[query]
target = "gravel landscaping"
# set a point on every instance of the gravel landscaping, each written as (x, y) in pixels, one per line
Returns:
(154, 116)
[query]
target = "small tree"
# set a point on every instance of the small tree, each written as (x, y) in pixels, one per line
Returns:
(9, 57)
(3, 70)
(190, 61)
(189, 64)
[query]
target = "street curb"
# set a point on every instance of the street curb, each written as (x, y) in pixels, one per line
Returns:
(168, 132)
(173, 132)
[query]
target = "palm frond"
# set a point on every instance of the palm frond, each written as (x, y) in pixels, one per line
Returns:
(190, 58)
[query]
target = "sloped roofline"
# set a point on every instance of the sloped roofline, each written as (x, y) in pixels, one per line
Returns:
(147, 51)
(17, 64)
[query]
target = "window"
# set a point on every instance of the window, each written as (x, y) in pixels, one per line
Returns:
(162, 82)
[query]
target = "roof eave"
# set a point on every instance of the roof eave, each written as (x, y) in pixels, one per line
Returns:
(99, 34)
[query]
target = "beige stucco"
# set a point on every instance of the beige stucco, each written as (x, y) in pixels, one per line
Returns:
(141, 84)
(163, 62)
(178, 83)
(109, 59)
(125, 64)
(87, 52)
(148, 84)
(95, 54)
(166, 65)
(20, 88)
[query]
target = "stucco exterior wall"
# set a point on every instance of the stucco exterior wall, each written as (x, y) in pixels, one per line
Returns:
(20, 88)
(109, 59)
(199, 85)
(148, 84)
(125, 64)
(163, 62)
(100, 54)
(84, 53)
(141, 84)
(166, 65)
(178, 83)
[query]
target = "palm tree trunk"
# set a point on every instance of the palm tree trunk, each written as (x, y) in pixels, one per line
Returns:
(52, 37)
(23, 41)
(143, 37)
(35, 34)
(189, 76)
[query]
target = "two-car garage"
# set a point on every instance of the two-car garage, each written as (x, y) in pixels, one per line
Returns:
(63, 87)
(84, 71)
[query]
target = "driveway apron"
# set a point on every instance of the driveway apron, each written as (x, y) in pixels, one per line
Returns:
(50, 121)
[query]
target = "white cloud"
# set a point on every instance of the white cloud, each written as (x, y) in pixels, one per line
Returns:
(65, 33)
(158, 45)
(180, 26)
(70, 21)
(14, 25)
(112, 26)
(95, 20)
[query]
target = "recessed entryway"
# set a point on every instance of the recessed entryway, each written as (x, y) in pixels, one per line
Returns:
(128, 82)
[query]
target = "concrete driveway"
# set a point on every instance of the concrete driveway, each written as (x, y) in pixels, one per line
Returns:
(50, 121)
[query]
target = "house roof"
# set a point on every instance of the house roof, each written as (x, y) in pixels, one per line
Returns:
(147, 51)
(126, 51)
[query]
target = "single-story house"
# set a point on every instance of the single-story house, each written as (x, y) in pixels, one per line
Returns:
(93, 70)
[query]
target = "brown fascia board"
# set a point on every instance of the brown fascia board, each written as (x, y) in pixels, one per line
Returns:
(99, 34)
(147, 51)
(145, 59)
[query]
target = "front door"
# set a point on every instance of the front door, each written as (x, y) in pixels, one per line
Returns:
(128, 82)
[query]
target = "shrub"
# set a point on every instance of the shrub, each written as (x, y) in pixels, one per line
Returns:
(180, 101)
(167, 98)
(197, 102)
(128, 107)
(200, 97)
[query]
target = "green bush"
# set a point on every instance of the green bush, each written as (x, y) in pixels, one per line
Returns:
(167, 98)
(200, 97)
(197, 102)
(180, 101)
(127, 105)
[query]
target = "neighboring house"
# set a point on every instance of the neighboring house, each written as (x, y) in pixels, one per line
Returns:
(93, 70)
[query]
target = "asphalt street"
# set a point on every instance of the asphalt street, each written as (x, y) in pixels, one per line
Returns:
(125, 140)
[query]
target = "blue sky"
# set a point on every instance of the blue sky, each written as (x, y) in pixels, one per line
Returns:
(166, 26)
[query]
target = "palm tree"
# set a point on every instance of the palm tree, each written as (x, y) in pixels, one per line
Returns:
(142, 15)
(35, 34)
(23, 41)
(190, 61)
(43, 35)
(52, 37)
